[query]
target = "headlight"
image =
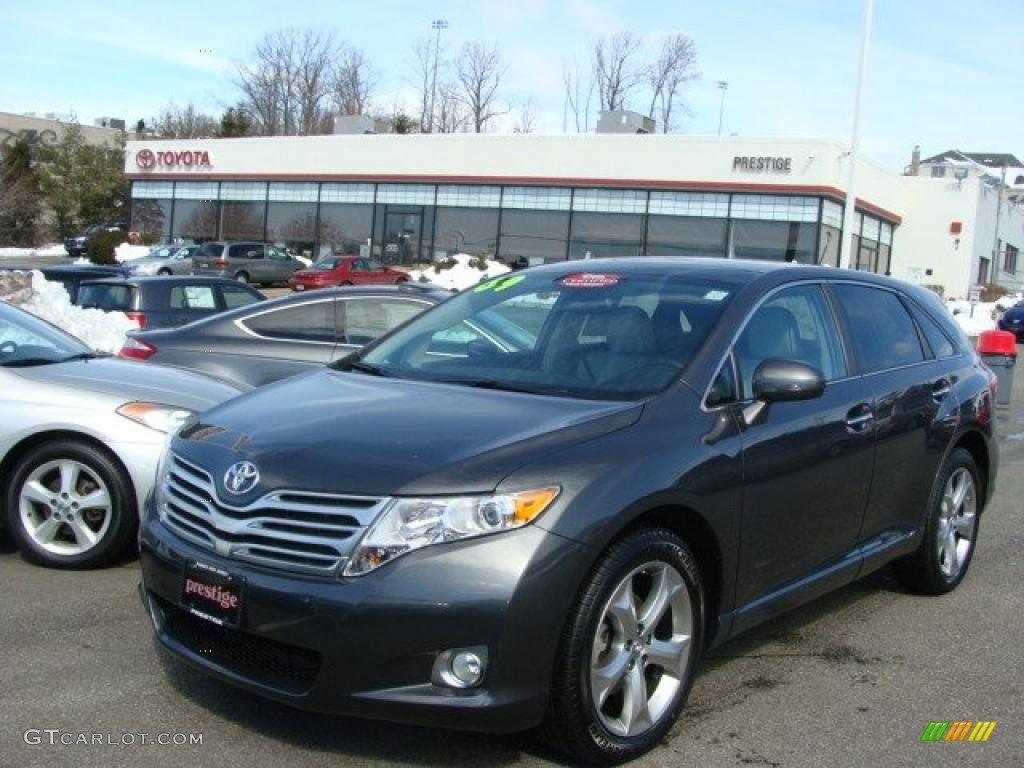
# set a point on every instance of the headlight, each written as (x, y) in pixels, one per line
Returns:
(408, 524)
(162, 418)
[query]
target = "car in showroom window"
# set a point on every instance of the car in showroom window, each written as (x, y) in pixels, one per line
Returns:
(540, 503)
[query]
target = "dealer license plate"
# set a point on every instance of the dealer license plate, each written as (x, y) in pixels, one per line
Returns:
(212, 594)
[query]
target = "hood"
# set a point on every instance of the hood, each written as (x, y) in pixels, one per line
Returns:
(336, 432)
(130, 380)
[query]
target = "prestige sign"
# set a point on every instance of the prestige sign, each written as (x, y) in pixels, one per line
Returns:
(147, 158)
(762, 164)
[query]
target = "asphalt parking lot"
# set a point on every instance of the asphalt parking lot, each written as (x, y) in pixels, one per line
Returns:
(852, 679)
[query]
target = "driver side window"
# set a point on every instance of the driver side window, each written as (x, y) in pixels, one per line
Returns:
(794, 324)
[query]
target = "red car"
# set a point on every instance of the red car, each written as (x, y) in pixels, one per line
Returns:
(345, 270)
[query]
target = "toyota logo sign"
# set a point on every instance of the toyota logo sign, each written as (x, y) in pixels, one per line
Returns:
(241, 477)
(145, 158)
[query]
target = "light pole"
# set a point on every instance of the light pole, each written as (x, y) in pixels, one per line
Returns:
(846, 256)
(723, 86)
(437, 25)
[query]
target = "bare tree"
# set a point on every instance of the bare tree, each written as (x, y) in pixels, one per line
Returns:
(479, 71)
(352, 82)
(185, 122)
(615, 70)
(674, 67)
(578, 97)
(526, 120)
(449, 112)
(425, 64)
(285, 87)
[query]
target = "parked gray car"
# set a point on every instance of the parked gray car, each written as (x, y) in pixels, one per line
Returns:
(164, 260)
(80, 438)
(264, 342)
(245, 261)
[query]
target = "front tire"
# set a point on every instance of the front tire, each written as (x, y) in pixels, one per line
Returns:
(951, 529)
(163, 272)
(626, 659)
(69, 505)
(242, 277)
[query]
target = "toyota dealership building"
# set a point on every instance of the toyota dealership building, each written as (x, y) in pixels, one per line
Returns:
(530, 199)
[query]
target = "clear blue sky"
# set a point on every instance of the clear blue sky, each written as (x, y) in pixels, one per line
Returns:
(942, 73)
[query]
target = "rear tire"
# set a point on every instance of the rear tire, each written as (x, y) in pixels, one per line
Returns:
(242, 277)
(626, 659)
(950, 531)
(344, 283)
(69, 505)
(163, 272)
(401, 280)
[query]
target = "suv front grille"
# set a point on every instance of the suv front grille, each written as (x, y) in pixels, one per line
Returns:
(290, 530)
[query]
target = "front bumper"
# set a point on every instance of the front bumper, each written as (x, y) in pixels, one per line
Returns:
(366, 646)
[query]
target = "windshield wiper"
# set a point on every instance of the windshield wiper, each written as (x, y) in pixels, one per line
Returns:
(27, 362)
(85, 356)
(370, 368)
(503, 386)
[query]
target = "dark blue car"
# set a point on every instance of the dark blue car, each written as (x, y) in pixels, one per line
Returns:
(1013, 321)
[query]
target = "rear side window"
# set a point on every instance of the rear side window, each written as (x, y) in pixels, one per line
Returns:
(306, 322)
(794, 324)
(250, 251)
(883, 332)
(193, 297)
(938, 341)
(369, 319)
(109, 298)
(211, 251)
(237, 296)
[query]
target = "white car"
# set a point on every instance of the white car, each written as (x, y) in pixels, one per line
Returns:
(80, 438)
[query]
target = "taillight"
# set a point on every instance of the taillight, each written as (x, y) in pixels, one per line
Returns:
(221, 263)
(136, 349)
(139, 318)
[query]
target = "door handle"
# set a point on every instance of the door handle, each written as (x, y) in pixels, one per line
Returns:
(940, 389)
(860, 418)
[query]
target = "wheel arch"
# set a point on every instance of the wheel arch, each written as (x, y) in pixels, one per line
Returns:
(36, 439)
(975, 444)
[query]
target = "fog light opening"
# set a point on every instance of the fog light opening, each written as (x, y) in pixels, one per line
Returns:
(460, 668)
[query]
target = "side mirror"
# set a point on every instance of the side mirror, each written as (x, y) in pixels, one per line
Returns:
(777, 380)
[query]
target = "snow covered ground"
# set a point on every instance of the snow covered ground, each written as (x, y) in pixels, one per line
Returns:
(984, 315)
(126, 251)
(46, 251)
(103, 331)
(461, 276)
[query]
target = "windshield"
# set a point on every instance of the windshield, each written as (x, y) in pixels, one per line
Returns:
(326, 264)
(27, 340)
(594, 336)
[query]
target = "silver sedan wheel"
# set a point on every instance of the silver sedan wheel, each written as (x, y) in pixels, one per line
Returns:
(641, 648)
(958, 512)
(65, 507)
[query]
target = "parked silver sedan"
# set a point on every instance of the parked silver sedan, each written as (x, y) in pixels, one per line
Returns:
(80, 439)
(163, 260)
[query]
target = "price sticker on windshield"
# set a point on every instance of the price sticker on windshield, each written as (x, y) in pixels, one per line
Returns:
(589, 280)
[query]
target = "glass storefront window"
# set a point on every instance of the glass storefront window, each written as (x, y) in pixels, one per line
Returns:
(610, 200)
(292, 226)
(537, 198)
(152, 217)
(195, 220)
(702, 204)
(534, 236)
(242, 220)
(468, 196)
(828, 248)
(596, 235)
(343, 229)
(466, 230)
(832, 214)
(685, 236)
(774, 241)
(774, 208)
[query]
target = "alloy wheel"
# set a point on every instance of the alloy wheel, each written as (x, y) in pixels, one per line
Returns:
(640, 649)
(958, 512)
(65, 507)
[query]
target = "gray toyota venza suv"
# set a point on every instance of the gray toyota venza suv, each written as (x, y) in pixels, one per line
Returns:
(475, 528)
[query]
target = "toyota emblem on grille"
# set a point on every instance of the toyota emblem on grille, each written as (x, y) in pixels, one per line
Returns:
(241, 477)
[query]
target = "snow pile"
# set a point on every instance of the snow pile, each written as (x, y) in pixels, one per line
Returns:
(463, 275)
(15, 287)
(984, 316)
(45, 251)
(126, 251)
(103, 331)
